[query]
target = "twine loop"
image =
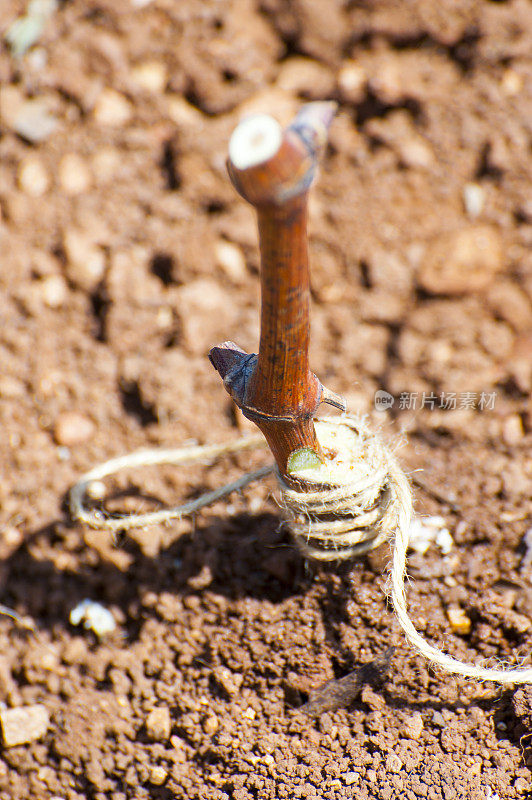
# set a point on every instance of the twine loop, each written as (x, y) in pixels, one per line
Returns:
(359, 493)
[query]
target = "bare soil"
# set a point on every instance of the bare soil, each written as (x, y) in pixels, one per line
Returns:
(114, 284)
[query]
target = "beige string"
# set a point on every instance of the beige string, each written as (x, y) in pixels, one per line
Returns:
(362, 499)
(175, 456)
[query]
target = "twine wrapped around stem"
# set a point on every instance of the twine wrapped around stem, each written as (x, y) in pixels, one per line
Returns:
(361, 499)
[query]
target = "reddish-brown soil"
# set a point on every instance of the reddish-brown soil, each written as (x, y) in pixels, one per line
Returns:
(114, 284)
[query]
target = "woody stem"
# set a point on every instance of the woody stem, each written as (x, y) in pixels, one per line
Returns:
(273, 169)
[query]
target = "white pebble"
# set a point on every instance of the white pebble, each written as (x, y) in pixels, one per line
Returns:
(158, 775)
(23, 725)
(512, 82)
(112, 109)
(34, 121)
(426, 530)
(352, 79)
(85, 260)
(33, 177)
(512, 430)
(27, 29)
(72, 428)
(54, 291)
(230, 258)
(151, 76)
(444, 540)
(474, 198)
(393, 763)
(74, 175)
(159, 724)
(94, 616)
(349, 778)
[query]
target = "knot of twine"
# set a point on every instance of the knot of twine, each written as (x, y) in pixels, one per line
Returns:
(361, 500)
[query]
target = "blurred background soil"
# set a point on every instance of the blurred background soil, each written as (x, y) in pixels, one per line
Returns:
(126, 255)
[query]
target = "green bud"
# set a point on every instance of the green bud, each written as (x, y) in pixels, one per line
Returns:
(302, 459)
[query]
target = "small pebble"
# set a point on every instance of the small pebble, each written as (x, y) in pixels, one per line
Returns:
(210, 724)
(415, 153)
(512, 82)
(203, 578)
(26, 30)
(11, 537)
(112, 109)
(72, 428)
(94, 616)
(474, 198)
(230, 681)
(34, 121)
(158, 775)
(230, 258)
(63, 453)
(164, 318)
(249, 713)
(438, 719)
(393, 763)
(159, 724)
(413, 726)
(349, 778)
(464, 261)
(74, 175)
(54, 291)
(183, 113)
(512, 430)
(85, 260)
(459, 621)
(33, 177)
(23, 725)
(352, 80)
(426, 530)
(151, 76)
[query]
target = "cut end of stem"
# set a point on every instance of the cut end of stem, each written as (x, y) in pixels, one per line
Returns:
(304, 458)
(255, 140)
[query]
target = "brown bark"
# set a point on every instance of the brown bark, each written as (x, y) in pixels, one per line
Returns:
(277, 390)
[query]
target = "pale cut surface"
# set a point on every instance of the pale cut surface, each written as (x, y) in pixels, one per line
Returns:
(255, 140)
